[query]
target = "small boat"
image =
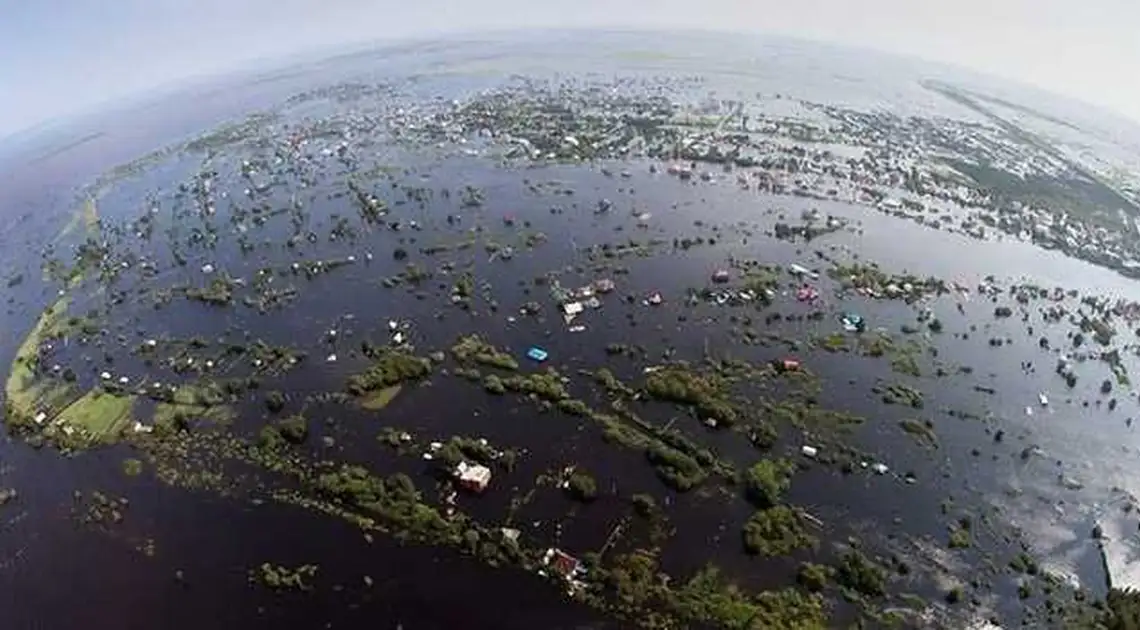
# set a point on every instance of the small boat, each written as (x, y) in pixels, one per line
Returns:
(1043, 399)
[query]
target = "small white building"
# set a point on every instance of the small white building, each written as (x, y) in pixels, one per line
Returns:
(473, 477)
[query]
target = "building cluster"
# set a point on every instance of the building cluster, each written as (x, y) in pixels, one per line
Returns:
(976, 179)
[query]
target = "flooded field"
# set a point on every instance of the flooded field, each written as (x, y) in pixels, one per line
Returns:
(599, 341)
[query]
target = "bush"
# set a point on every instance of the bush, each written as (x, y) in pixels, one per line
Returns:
(814, 577)
(574, 407)
(776, 531)
(294, 429)
(767, 481)
(270, 438)
(546, 385)
(959, 538)
(582, 487)
(274, 401)
(494, 385)
(1023, 591)
(460, 449)
(708, 600)
(685, 387)
(390, 367)
(473, 349)
(1124, 609)
(676, 469)
(862, 575)
(643, 504)
(353, 485)
(763, 435)
(1024, 563)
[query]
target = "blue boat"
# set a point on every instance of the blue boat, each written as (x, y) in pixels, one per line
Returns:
(537, 354)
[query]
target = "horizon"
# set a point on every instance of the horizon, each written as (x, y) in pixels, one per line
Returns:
(88, 56)
(162, 91)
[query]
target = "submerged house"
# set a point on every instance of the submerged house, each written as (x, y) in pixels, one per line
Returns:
(788, 365)
(562, 563)
(472, 477)
(567, 567)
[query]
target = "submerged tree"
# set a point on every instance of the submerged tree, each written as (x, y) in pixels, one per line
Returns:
(767, 481)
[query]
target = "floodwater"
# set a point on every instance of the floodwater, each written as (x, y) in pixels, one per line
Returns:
(57, 574)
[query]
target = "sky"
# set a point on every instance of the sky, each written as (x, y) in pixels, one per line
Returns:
(59, 58)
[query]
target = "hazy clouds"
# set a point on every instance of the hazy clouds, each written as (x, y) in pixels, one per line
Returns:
(59, 57)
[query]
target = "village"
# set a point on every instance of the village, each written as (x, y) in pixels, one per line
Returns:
(975, 179)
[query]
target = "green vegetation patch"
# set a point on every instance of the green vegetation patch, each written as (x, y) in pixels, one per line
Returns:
(900, 394)
(959, 538)
(473, 349)
(548, 385)
(706, 599)
(582, 487)
(1124, 609)
(767, 480)
(202, 400)
(389, 367)
(380, 398)
(219, 292)
(776, 531)
(25, 394)
(870, 277)
(678, 470)
(707, 393)
(862, 575)
(921, 430)
(282, 578)
(97, 416)
(814, 577)
(463, 449)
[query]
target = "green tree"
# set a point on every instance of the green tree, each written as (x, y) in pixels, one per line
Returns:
(1124, 609)
(775, 531)
(582, 487)
(767, 481)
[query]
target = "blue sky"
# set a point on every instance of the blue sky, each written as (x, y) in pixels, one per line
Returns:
(62, 57)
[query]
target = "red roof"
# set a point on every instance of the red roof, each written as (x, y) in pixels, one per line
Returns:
(564, 563)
